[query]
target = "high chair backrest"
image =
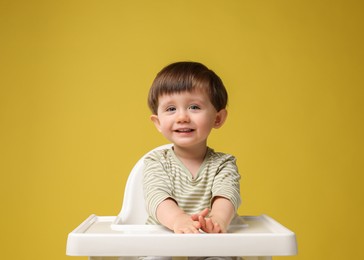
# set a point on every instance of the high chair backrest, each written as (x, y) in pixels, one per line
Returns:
(133, 209)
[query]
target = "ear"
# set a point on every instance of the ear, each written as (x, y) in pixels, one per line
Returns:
(156, 122)
(220, 118)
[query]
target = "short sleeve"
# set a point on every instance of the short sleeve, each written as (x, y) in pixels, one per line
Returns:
(156, 184)
(227, 181)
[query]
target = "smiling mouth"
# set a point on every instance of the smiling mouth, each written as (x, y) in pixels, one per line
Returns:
(186, 130)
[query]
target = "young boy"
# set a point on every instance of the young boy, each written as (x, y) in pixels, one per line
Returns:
(189, 187)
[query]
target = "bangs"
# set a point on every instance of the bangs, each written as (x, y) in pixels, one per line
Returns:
(169, 84)
(187, 77)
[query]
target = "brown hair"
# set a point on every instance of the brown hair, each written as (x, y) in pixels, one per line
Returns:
(187, 76)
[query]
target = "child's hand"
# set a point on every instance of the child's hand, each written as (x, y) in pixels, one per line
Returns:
(184, 224)
(208, 224)
(203, 213)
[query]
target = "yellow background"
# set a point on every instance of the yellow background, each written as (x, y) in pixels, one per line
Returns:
(74, 76)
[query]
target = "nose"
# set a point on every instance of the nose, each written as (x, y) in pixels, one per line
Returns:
(182, 117)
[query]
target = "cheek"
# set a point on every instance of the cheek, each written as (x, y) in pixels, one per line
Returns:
(207, 124)
(165, 123)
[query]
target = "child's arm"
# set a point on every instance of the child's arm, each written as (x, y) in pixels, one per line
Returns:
(174, 218)
(221, 214)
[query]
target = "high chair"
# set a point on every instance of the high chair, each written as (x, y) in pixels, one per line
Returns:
(126, 236)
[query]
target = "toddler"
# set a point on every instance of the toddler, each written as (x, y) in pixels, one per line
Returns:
(190, 188)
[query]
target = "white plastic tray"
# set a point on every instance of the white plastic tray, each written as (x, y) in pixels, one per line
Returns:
(258, 236)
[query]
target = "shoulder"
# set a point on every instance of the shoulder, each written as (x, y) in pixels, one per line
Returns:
(219, 156)
(159, 155)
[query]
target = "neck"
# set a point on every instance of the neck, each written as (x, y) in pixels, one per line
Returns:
(196, 152)
(191, 157)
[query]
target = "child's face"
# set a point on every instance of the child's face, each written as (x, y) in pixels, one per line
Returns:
(186, 118)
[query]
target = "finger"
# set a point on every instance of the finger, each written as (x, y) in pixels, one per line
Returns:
(194, 217)
(202, 222)
(204, 212)
(196, 231)
(190, 231)
(197, 224)
(217, 228)
(209, 225)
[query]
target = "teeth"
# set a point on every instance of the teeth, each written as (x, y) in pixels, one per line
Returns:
(184, 130)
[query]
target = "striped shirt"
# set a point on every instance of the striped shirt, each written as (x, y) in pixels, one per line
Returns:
(165, 176)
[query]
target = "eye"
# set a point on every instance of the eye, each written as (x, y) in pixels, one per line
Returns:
(194, 107)
(170, 109)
